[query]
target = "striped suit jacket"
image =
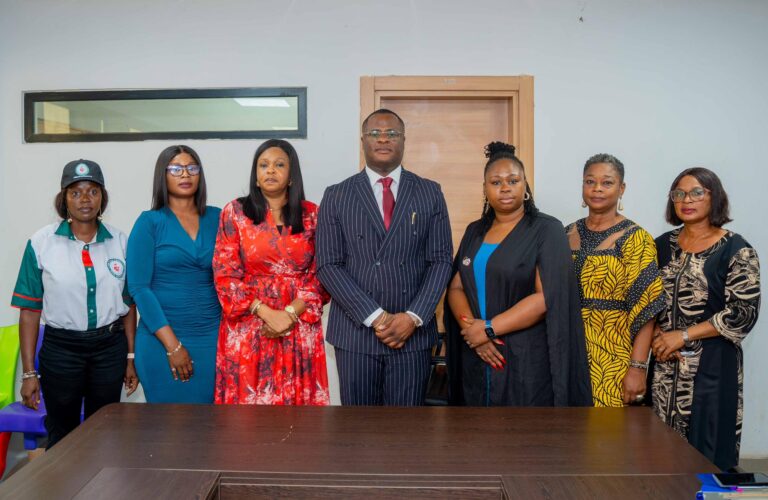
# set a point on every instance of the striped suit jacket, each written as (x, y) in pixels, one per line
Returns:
(364, 266)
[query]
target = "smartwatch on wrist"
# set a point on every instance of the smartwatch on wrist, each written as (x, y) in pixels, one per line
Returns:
(489, 330)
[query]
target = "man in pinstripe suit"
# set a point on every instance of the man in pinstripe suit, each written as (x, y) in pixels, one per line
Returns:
(384, 253)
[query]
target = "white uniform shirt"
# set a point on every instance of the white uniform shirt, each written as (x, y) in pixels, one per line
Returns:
(76, 285)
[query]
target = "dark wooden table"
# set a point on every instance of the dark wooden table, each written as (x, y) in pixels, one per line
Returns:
(184, 451)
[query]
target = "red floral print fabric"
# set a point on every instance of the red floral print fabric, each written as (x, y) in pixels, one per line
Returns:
(257, 261)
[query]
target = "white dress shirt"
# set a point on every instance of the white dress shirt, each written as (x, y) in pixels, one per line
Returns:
(77, 285)
(378, 187)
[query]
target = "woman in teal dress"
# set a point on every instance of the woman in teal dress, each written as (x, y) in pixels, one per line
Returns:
(170, 278)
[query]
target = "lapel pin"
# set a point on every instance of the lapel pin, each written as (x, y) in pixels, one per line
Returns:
(466, 261)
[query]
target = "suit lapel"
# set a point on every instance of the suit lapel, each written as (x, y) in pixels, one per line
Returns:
(365, 193)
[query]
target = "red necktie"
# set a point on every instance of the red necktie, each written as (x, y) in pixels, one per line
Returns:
(389, 201)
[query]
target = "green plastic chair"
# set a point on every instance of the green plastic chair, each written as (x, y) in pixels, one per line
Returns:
(9, 355)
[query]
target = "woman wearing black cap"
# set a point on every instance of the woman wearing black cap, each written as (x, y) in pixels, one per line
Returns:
(73, 275)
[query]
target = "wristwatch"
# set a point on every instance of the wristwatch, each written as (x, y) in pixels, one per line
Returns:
(291, 312)
(255, 307)
(686, 340)
(489, 330)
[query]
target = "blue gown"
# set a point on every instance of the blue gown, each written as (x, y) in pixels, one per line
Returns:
(171, 280)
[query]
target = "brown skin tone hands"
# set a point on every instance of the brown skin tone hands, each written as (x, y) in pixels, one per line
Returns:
(393, 330)
(277, 322)
(180, 363)
(29, 325)
(667, 345)
(524, 314)
(131, 379)
(633, 384)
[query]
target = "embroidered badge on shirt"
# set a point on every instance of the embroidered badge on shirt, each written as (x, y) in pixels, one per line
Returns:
(116, 268)
(82, 169)
(466, 261)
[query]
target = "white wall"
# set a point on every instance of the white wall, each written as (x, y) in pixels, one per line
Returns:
(663, 85)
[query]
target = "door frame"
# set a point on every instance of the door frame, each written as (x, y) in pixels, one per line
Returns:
(517, 89)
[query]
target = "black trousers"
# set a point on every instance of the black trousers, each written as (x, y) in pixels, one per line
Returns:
(76, 366)
(396, 379)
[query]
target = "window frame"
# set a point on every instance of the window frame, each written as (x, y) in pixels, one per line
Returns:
(32, 97)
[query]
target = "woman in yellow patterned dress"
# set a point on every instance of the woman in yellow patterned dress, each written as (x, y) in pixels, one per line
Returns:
(615, 261)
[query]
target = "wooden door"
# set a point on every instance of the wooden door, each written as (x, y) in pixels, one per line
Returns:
(448, 121)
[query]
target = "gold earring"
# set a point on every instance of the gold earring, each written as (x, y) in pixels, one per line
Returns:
(621, 205)
(485, 204)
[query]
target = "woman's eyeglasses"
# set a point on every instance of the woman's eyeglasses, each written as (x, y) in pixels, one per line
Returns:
(177, 170)
(695, 194)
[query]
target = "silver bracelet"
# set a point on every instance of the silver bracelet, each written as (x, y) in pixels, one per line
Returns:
(638, 364)
(171, 353)
(131, 355)
(29, 374)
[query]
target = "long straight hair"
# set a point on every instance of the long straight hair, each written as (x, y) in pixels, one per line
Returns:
(255, 204)
(160, 184)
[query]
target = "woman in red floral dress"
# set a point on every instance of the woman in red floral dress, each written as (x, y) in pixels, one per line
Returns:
(271, 340)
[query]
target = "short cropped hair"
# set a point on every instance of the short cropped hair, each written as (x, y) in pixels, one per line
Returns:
(383, 111)
(605, 158)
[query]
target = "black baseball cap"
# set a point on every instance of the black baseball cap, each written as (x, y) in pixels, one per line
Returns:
(81, 170)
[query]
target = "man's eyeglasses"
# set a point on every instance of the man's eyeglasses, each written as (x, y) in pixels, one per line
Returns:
(695, 194)
(389, 134)
(177, 170)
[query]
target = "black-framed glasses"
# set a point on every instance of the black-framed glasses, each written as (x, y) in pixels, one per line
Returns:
(390, 134)
(177, 170)
(695, 194)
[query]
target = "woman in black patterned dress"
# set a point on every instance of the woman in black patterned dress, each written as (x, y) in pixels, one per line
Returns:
(712, 288)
